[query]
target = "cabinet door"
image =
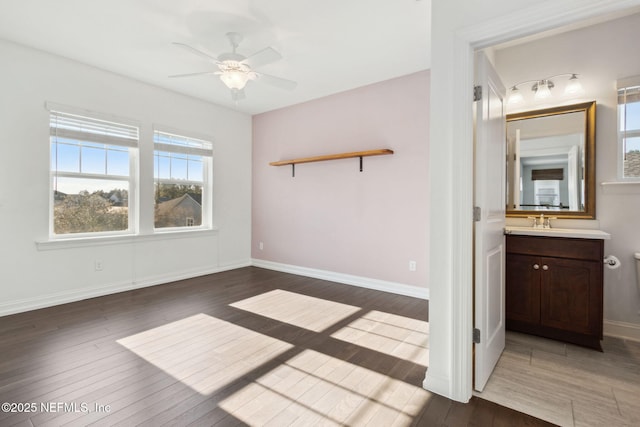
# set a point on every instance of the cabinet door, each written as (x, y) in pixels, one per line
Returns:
(570, 295)
(523, 288)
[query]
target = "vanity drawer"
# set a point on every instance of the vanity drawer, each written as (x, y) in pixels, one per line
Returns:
(559, 247)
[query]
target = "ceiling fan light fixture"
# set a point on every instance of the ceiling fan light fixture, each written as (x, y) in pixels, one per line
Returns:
(234, 74)
(235, 70)
(235, 79)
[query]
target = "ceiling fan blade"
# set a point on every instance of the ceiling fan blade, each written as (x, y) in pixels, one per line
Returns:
(196, 51)
(277, 81)
(262, 57)
(193, 74)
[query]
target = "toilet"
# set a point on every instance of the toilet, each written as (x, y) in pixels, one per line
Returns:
(637, 256)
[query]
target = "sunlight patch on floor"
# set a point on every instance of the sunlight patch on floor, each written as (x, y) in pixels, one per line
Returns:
(203, 352)
(395, 335)
(315, 314)
(314, 388)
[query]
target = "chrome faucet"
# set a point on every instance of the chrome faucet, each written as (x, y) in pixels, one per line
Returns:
(548, 223)
(543, 222)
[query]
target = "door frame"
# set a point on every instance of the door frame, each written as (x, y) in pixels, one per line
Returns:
(450, 371)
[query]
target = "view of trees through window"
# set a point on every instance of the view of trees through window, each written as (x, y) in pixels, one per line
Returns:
(93, 166)
(91, 173)
(89, 212)
(180, 163)
(99, 210)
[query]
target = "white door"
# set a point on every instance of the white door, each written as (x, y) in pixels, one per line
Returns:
(489, 266)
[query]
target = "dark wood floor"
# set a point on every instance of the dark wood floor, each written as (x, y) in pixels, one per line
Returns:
(58, 363)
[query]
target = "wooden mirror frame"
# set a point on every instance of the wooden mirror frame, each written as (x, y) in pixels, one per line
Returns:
(589, 108)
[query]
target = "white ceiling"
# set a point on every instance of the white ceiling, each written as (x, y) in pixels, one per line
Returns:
(328, 46)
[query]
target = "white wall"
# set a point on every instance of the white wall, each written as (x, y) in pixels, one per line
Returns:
(601, 54)
(32, 277)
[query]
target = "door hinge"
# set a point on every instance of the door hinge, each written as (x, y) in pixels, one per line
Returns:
(476, 336)
(477, 213)
(477, 93)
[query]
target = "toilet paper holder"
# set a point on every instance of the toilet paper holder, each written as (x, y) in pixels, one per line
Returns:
(611, 261)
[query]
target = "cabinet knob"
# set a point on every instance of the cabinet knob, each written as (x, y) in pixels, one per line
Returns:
(536, 267)
(545, 267)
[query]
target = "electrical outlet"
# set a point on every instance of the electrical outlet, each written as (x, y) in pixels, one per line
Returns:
(98, 265)
(261, 245)
(412, 266)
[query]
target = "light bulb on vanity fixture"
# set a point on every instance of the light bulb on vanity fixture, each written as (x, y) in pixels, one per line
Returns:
(516, 96)
(574, 86)
(542, 88)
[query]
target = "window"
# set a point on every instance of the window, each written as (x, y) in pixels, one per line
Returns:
(629, 128)
(182, 188)
(92, 172)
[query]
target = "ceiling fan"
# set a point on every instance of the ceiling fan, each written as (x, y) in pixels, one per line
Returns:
(236, 70)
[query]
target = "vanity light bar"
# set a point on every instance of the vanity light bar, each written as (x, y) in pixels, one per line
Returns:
(542, 87)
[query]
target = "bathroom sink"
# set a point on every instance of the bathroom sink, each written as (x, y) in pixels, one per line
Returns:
(557, 232)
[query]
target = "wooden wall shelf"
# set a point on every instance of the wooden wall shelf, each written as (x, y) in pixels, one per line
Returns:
(354, 154)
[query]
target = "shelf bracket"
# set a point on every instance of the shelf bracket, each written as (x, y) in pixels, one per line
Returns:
(360, 163)
(293, 170)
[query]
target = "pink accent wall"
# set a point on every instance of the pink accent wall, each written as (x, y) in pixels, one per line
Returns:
(331, 216)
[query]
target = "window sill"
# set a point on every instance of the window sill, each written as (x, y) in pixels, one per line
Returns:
(83, 242)
(621, 187)
(606, 183)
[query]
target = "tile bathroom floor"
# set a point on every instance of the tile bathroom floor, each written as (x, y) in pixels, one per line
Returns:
(566, 384)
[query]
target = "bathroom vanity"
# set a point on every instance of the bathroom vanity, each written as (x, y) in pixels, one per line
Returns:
(554, 283)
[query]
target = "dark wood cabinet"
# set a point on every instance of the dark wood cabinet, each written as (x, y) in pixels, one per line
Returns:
(554, 288)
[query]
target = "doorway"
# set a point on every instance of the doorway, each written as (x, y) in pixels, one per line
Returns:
(529, 361)
(451, 145)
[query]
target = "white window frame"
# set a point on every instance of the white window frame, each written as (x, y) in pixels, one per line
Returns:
(626, 83)
(126, 138)
(203, 146)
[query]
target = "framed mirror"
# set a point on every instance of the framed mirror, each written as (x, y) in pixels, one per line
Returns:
(551, 162)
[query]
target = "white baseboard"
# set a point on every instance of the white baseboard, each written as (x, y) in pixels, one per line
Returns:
(28, 304)
(347, 279)
(628, 331)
